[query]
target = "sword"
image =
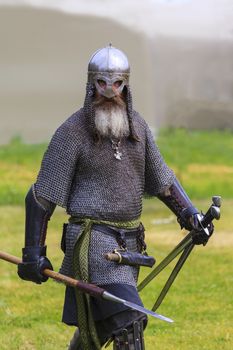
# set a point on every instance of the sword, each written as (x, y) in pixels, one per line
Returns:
(172, 276)
(88, 288)
(185, 246)
(171, 256)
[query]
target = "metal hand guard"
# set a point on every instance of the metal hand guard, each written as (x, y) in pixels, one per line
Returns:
(38, 213)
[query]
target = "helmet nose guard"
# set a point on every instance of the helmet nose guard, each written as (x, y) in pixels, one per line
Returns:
(109, 70)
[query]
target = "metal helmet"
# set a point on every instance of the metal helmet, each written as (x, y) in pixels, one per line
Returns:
(109, 70)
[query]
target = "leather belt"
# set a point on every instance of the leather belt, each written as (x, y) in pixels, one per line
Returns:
(115, 231)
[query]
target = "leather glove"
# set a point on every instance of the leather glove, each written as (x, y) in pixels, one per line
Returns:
(34, 262)
(199, 236)
(188, 218)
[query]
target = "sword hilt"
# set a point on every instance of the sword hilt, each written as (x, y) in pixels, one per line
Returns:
(213, 212)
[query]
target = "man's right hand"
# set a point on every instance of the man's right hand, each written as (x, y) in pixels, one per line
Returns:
(33, 264)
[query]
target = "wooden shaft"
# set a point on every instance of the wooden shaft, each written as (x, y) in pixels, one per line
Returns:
(86, 287)
(68, 281)
(10, 258)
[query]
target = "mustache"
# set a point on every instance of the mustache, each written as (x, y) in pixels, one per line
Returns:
(109, 102)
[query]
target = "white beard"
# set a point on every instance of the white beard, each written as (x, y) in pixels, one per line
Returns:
(112, 122)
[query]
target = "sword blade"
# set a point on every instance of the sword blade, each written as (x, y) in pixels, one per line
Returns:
(173, 276)
(148, 312)
(171, 256)
(111, 297)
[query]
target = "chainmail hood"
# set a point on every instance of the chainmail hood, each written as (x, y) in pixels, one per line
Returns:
(90, 112)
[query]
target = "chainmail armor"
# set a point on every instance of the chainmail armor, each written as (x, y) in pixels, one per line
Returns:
(84, 177)
(101, 271)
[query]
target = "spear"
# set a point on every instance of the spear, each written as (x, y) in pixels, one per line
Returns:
(88, 288)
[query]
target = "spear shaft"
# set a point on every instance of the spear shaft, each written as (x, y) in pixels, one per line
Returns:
(87, 288)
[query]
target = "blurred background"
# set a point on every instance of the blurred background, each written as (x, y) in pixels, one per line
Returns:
(181, 56)
(180, 51)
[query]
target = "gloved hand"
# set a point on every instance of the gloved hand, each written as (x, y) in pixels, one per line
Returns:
(34, 262)
(188, 218)
(199, 236)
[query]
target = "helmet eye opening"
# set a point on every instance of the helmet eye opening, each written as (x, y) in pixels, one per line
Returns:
(102, 83)
(117, 83)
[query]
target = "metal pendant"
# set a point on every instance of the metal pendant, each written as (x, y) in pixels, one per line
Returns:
(118, 155)
(115, 147)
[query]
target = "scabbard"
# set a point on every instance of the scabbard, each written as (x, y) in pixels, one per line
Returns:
(130, 258)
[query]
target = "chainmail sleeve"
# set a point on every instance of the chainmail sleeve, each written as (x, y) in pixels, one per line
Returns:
(58, 165)
(158, 176)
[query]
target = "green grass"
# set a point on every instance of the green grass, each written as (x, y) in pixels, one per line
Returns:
(19, 165)
(182, 146)
(201, 159)
(200, 301)
(20, 153)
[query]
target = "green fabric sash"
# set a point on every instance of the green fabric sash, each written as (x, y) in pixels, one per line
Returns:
(80, 266)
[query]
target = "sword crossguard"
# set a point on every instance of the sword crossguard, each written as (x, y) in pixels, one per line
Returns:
(200, 219)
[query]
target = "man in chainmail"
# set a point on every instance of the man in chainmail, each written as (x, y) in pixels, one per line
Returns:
(99, 164)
